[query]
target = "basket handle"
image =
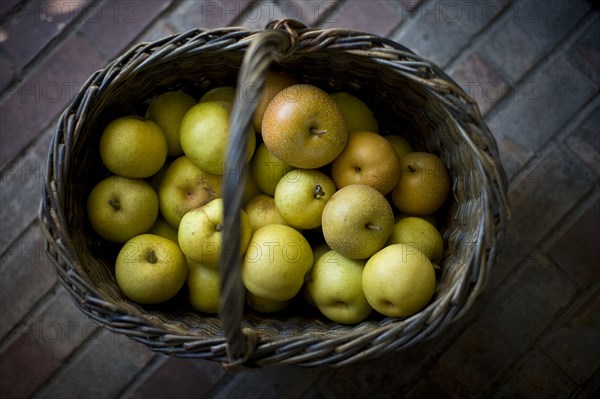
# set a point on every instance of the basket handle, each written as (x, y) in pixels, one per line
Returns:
(278, 40)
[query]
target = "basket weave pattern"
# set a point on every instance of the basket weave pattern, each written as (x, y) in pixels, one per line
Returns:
(409, 95)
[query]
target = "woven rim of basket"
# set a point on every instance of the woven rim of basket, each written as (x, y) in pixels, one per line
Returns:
(473, 234)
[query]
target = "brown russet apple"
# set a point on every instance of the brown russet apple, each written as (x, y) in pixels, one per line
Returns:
(423, 185)
(304, 127)
(274, 83)
(368, 158)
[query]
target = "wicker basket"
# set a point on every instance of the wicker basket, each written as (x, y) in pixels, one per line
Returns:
(410, 96)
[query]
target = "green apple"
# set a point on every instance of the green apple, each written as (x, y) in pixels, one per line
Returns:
(357, 221)
(183, 187)
(398, 281)
(167, 110)
(420, 233)
(430, 218)
(224, 94)
(304, 127)
(120, 208)
(132, 146)
(276, 262)
(263, 305)
(162, 228)
(267, 169)
(357, 114)
(367, 159)
(274, 83)
(400, 144)
(335, 285)
(204, 287)
(318, 251)
(204, 135)
(200, 233)
(423, 185)
(301, 195)
(150, 269)
(262, 211)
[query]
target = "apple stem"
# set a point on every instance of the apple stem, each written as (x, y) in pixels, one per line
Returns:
(152, 257)
(319, 193)
(317, 132)
(115, 204)
(219, 227)
(411, 169)
(373, 227)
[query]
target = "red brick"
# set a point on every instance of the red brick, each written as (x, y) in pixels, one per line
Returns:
(209, 14)
(25, 277)
(180, 378)
(480, 81)
(584, 140)
(36, 24)
(376, 17)
(575, 346)
(113, 26)
(535, 376)
(43, 95)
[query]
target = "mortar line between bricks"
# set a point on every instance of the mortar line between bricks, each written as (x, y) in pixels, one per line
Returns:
(12, 11)
(329, 13)
(172, 6)
(588, 387)
(143, 374)
(21, 233)
(550, 57)
(559, 319)
(411, 15)
(222, 384)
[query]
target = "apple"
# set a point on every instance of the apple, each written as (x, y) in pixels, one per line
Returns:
(132, 146)
(318, 251)
(263, 305)
(162, 228)
(120, 208)
(200, 233)
(304, 127)
(357, 114)
(204, 287)
(205, 134)
(251, 189)
(226, 94)
(335, 285)
(262, 211)
(183, 187)
(429, 218)
(400, 144)
(420, 233)
(167, 110)
(276, 262)
(301, 195)
(150, 269)
(357, 221)
(267, 169)
(423, 185)
(369, 159)
(274, 83)
(398, 281)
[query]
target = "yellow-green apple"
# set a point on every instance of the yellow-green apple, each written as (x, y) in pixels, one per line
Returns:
(251, 189)
(200, 233)
(369, 159)
(304, 127)
(400, 144)
(120, 208)
(184, 187)
(301, 195)
(205, 135)
(357, 221)
(162, 228)
(423, 185)
(430, 218)
(150, 269)
(335, 285)
(263, 305)
(167, 110)
(399, 280)
(318, 251)
(276, 262)
(420, 233)
(224, 94)
(274, 83)
(262, 211)
(357, 114)
(204, 287)
(267, 169)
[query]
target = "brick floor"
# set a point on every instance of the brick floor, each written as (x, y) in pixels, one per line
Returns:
(534, 69)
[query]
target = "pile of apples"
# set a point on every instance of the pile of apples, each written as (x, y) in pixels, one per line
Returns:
(335, 214)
